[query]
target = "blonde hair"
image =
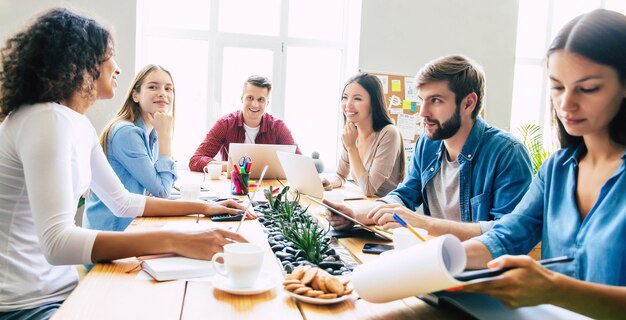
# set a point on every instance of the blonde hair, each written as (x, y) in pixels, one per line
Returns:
(131, 110)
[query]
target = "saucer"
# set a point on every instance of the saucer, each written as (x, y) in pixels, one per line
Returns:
(317, 300)
(263, 283)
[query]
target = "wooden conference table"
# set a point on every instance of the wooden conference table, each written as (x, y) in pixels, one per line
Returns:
(111, 291)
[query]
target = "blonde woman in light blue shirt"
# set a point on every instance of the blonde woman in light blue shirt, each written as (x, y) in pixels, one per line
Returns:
(138, 145)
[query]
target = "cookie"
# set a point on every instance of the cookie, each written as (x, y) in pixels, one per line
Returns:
(299, 272)
(294, 286)
(309, 275)
(321, 283)
(302, 290)
(290, 281)
(314, 293)
(333, 285)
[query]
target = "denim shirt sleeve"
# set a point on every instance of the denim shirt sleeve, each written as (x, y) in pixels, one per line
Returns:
(518, 232)
(512, 178)
(410, 190)
(128, 147)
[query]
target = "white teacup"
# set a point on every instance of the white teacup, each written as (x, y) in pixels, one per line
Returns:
(404, 238)
(190, 191)
(214, 171)
(242, 264)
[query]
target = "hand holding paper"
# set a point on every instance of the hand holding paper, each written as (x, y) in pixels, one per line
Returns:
(420, 269)
(431, 266)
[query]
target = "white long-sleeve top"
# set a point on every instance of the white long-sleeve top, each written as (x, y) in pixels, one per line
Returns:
(49, 156)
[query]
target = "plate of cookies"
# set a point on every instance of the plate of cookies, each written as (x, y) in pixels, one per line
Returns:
(315, 285)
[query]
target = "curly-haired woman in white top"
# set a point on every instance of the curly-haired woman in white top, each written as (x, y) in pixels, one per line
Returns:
(51, 73)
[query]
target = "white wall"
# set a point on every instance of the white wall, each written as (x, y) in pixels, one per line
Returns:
(399, 36)
(119, 15)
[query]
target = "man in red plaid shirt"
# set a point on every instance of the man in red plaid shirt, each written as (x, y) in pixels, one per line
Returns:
(249, 125)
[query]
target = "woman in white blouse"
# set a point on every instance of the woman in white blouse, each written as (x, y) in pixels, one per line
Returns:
(52, 72)
(373, 151)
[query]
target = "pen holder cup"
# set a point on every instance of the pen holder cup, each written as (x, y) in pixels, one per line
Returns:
(239, 183)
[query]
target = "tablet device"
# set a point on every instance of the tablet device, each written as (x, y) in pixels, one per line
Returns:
(366, 227)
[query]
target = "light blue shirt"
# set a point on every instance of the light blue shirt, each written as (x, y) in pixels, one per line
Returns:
(549, 212)
(134, 156)
(494, 174)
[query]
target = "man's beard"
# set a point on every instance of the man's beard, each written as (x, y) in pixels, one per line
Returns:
(448, 129)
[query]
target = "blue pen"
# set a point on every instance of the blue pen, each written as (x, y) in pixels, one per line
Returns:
(408, 226)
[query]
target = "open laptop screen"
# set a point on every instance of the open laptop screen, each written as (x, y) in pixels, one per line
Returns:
(261, 155)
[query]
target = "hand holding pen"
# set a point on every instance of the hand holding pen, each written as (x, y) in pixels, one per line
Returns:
(403, 223)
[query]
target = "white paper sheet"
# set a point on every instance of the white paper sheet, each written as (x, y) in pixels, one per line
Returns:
(417, 270)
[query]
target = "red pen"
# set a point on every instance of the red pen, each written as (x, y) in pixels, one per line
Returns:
(248, 167)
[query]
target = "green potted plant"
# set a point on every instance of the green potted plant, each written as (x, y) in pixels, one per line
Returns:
(295, 237)
(532, 138)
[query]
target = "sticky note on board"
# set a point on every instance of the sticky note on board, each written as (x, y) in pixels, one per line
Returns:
(413, 106)
(396, 86)
(406, 104)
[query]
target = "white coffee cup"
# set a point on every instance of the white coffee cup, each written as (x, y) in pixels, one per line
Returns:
(214, 171)
(190, 191)
(242, 264)
(404, 238)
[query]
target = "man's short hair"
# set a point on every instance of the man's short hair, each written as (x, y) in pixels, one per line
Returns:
(464, 76)
(258, 81)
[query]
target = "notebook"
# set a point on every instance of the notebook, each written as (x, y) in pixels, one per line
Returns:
(173, 268)
(261, 155)
(303, 177)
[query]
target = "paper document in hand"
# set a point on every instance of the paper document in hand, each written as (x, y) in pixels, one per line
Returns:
(420, 269)
(173, 268)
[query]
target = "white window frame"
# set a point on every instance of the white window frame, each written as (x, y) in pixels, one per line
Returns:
(217, 41)
(544, 107)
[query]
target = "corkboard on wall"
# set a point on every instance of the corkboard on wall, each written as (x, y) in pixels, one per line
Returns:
(402, 106)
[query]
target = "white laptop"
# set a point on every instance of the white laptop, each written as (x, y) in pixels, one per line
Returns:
(261, 155)
(303, 177)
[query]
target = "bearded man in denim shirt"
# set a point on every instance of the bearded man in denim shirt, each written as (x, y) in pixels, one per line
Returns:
(466, 173)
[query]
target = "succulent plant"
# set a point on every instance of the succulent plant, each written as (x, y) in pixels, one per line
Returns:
(284, 215)
(307, 236)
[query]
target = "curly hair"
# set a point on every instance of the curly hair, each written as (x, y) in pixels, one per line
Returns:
(58, 55)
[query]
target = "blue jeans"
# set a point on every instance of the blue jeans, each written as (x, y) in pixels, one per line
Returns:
(42, 312)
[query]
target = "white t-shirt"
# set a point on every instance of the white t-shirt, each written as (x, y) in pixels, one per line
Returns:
(251, 133)
(49, 156)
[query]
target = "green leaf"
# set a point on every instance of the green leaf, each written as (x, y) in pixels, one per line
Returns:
(532, 138)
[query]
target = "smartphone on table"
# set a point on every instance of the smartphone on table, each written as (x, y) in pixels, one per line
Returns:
(376, 248)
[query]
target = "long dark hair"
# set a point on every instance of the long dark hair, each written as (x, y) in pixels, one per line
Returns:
(374, 88)
(59, 54)
(599, 36)
(380, 117)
